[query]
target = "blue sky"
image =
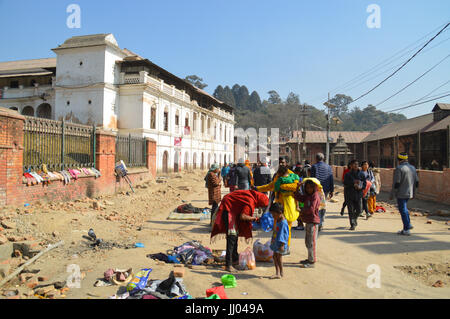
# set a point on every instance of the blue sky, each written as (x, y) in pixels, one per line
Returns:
(308, 47)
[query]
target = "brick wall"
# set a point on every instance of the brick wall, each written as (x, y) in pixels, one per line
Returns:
(13, 190)
(433, 185)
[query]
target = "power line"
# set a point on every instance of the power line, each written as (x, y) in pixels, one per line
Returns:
(383, 63)
(391, 68)
(426, 95)
(411, 83)
(403, 65)
(402, 108)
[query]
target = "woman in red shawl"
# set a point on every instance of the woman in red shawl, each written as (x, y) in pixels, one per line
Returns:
(234, 219)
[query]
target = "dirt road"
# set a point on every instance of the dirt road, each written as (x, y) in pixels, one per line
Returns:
(407, 266)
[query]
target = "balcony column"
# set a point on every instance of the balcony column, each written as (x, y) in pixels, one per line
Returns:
(142, 76)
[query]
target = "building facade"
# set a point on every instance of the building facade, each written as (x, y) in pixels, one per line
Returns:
(93, 81)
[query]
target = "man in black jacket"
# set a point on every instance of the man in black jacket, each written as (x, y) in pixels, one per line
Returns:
(354, 183)
(243, 176)
(261, 175)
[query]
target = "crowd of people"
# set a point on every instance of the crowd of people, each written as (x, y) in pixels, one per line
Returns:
(297, 193)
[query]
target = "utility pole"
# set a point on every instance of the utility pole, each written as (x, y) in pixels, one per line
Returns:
(328, 105)
(298, 142)
(304, 133)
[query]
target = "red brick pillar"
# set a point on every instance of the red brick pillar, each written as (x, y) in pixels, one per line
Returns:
(11, 156)
(105, 155)
(151, 156)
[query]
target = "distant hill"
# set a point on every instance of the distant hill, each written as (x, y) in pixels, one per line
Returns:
(285, 114)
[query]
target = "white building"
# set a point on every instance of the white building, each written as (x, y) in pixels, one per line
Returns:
(92, 81)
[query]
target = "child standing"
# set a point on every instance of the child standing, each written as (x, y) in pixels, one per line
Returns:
(310, 197)
(280, 238)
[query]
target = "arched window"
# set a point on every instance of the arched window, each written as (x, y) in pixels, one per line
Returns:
(28, 110)
(166, 119)
(44, 110)
(177, 122)
(14, 108)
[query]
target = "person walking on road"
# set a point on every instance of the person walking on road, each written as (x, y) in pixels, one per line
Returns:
(322, 171)
(214, 184)
(224, 172)
(368, 175)
(404, 185)
(354, 183)
(243, 176)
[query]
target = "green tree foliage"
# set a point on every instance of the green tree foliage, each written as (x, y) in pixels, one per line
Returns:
(219, 93)
(254, 102)
(196, 81)
(274, 97)
(242, 97)
(286, 115)
(228, 97)
(341, 101)
(292, 99)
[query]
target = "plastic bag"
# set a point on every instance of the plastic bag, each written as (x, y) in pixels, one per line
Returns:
(139, 281)
(266, 222)
(247, 259)
(262, 251)
(216, 291)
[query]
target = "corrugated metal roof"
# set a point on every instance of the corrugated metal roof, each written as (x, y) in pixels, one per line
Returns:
(424, 123)
(321, 136)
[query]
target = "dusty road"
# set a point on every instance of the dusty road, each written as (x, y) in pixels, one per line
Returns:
(407, 266)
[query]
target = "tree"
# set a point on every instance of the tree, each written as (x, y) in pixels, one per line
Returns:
(254, 102)
(219, 92)
(235, 91)
(242, 97)
(274, 97)
(292, 99)
(341, 101)
(196, 81)
(228, 97)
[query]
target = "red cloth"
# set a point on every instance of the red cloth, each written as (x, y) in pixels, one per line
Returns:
(237, 203)
(368, 184)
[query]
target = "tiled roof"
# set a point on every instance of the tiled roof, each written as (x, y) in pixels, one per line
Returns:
(89, 40)
(321, 136)
(27, 64)
(424, 123)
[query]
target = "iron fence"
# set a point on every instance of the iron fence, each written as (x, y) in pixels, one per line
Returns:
(58, 144)
(132, 150)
